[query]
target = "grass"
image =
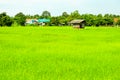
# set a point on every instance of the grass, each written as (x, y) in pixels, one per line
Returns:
(59, 53)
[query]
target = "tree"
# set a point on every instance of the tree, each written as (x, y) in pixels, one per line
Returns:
(65, 14)
(46, 14)
(108, 18)
(36, 16)
(29, 16)
(54, 21)
(99, 20)
(63, 19)
(118, 22)
(89, 18)
(75, 14)
(20, 18)
(5, 20)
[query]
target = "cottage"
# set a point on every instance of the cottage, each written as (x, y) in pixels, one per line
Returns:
(78, 23)
(37, 21)
(31, 21)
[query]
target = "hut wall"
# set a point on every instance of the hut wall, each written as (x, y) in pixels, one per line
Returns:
(82, 25)
(76, 25)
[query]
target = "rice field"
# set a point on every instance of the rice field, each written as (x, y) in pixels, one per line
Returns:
(59, 53)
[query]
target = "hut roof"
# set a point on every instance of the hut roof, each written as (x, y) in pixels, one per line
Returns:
(77, 21)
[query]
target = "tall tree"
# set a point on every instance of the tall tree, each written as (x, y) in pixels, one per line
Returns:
(5, 20)
(63, 19)
(99, 20)
(29, 16)
(65, 14)
(36, 16)
(46, 14)
(20, 18)
(108, 18)
(54, 21)
(75, 14)
(89, 18)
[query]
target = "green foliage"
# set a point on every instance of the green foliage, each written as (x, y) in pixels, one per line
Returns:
(108, 19)
(5, 20)
(91, 20)
(36, 16)
(20, 19)
(75, 15)
(46, 14)
(59, 53)
(63, 19)
(65, 14)
(30, 16)
(118, 23)
(54, 21)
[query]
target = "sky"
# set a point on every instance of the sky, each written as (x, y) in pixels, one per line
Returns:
(57, 7)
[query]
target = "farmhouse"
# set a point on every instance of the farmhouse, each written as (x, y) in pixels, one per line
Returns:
(78, 23)
(37, 21)
(31, 21)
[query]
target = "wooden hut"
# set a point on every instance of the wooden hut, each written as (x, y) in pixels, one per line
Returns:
(78, 23)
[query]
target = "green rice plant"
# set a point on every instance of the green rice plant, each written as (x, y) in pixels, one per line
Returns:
(59, 53)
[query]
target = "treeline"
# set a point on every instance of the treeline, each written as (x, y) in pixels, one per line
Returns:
(62, 20)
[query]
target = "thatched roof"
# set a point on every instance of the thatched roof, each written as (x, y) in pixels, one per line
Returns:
(77, 21)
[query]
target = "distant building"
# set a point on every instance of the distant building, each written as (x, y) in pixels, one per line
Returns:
(31, 21)
(37, 21)
(43, 21)
(78, 23)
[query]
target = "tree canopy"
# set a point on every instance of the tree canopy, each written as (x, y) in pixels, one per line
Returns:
(5, 20)
(20, 18)
(63, 19)
(46, 14)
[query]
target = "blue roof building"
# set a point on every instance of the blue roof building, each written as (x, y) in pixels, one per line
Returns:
(43, 20)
